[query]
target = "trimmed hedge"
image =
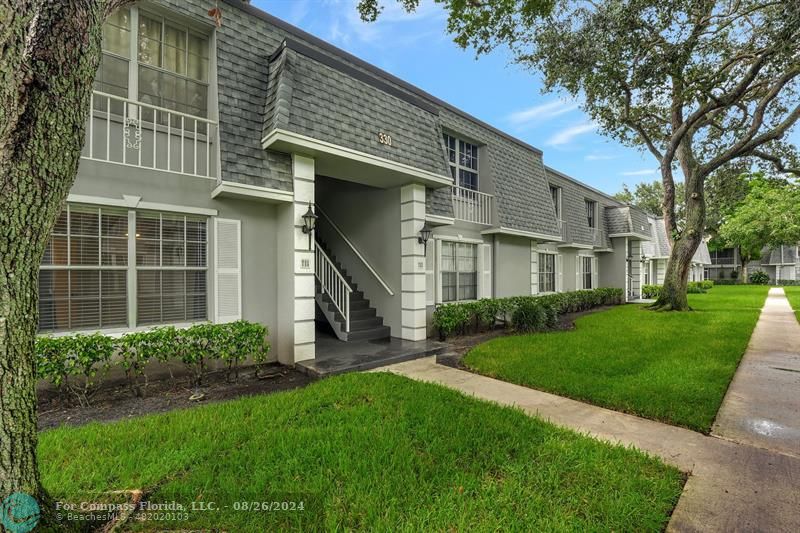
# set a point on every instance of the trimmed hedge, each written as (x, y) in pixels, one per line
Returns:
(693, 287)
(526, 313)
(76, 364)
(759, 277)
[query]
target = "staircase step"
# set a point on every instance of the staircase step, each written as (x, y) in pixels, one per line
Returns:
(360, 314)
(381, 332)
(366, 323)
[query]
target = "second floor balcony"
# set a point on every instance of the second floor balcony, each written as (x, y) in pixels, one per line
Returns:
(597, 238)
(472, 206)
(129, 132)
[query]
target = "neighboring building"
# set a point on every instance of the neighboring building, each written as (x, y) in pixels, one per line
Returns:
(206, 147)
(780, 264)
(656, 252)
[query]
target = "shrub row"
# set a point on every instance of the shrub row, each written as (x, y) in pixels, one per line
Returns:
(759, 277)
(76, 364)
(693, 287)
(527, 313)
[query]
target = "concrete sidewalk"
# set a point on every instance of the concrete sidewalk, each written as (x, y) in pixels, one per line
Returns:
(732, 487)
(762, 406)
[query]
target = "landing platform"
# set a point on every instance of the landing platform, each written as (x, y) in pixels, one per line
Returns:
(335, 356)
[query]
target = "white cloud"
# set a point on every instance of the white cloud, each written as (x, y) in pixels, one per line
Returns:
(599, 157)
(541, 112)
(644, 172)
(347, 28)
(566, 135)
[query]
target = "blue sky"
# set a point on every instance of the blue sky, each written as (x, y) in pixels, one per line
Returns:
(416, 48)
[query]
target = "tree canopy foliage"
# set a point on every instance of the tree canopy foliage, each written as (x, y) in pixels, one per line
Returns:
(649, 197)
(769, 215)
(698, 84)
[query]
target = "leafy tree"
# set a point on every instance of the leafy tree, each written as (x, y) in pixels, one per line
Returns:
(649, 197)
(769, 215)
(698, 84)
(49, 53)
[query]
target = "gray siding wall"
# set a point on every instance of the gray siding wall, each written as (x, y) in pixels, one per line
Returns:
(512, 266)
(259, 226)
(611, 266)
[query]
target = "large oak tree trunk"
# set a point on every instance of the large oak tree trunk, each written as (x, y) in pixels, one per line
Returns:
(49, 53)
(684, 243)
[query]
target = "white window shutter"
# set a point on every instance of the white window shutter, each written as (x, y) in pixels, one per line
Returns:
(559, 273)
(484, 271)
(534, 269)
(594, 272)
(430, 273)
(227, 270)
(438, 271)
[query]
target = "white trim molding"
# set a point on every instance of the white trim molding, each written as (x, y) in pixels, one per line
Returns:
(316, 146)
(252, 192)
(638, 236)
(522, 233)
(438, 220)
(132, 202)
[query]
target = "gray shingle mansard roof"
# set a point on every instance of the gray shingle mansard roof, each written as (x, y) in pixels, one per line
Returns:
(296, 92)
(658, 247)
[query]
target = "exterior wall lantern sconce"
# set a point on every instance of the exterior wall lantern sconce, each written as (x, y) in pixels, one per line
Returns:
(643, 259)
(309, 223)
(424, 235)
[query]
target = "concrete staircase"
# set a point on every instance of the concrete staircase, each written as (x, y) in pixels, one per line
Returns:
(365, 324)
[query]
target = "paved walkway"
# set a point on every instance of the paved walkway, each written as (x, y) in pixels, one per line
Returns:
(733, 486)
(762, 407)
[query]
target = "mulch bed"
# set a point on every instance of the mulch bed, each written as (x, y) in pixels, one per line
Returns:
(459, 346)
(118, 402)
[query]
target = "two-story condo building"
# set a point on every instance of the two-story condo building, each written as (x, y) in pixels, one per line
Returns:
(781, 264)
(209, 152)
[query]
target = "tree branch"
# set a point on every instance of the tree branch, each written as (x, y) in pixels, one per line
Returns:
(776, 161)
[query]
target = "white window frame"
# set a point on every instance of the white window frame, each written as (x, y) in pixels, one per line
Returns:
(69, 268)
(132, 269)
(593, 203)
(172, 268)
(556, 200)
(440, 271)
(133, 59)
(457, 166)
(583, 260)
(541, 273)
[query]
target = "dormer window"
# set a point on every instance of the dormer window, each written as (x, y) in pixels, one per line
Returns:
(463, 159)
(162, 62)
(591, 213)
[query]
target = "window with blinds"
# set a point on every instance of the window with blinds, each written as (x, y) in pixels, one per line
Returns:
(547, 272)
(83, 279)
(171, 262)
(83, 276)
(586, 271)
(459, 270)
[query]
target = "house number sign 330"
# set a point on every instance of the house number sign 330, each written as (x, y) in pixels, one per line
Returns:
(384, 138)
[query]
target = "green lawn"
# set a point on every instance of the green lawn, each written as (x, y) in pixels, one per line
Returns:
(367, 451)
(793, 294)
(672, 367)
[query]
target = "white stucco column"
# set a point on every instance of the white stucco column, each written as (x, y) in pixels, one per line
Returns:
(296, 330)
(412, 218)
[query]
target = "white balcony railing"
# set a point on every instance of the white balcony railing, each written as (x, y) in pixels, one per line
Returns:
(472, 206)
(137, 134)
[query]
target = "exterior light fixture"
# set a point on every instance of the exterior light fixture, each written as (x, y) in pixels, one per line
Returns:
(424, 235)
(309, 223)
